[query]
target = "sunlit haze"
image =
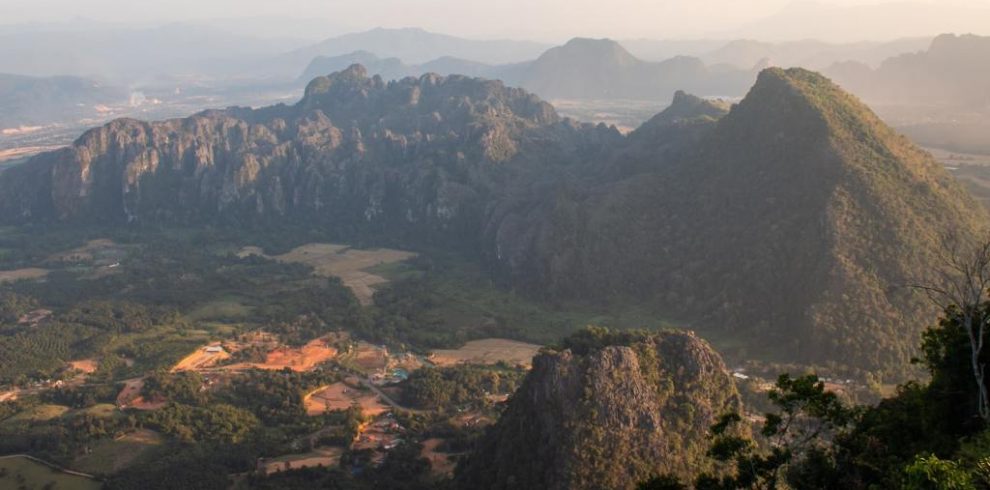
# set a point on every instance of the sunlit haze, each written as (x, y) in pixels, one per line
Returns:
(545, 20)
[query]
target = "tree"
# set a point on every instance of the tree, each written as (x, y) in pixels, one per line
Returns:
(806, 415)
(932, 473)
(963, 289)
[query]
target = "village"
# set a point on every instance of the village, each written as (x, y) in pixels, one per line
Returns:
(369, 377)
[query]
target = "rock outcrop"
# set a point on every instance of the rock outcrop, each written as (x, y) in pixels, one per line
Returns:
(606, 416)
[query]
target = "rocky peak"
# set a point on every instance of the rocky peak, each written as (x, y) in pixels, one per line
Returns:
(645, 400)
(585, 51)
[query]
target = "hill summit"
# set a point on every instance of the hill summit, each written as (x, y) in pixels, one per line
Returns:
(607, 410)
(798, 216)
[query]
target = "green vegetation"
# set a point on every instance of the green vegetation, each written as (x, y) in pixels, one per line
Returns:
(931, 435)
(23, 473)
(459, 386)
(442, 301)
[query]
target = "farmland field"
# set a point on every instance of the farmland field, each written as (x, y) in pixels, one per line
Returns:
(22, 274)
(340, 396)
(305, 358)
(326, 457)
(487, 351)
(21, 472)
(112, 455)
(349, 264)
(39, 413)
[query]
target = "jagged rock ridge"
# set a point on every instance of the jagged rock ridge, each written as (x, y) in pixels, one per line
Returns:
(416, 156)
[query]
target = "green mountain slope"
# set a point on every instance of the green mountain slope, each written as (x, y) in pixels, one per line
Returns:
(797, 220)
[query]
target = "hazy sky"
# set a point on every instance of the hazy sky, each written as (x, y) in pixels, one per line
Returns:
(550, 20)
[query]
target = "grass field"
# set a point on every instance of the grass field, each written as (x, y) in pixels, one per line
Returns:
(101, 410)
(487, 351)
(349, 264)
(230, 308)
(22, 274)
(20, 472)
(113, 455)
(39, 413)
(326, 457)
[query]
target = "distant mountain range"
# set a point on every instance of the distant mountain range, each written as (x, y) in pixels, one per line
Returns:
(29, 101)
(580, 69)
(415, 46)
(133, 55)
(603, 69)
(795, 216)
(952, 71)
(810, 54)
(394, 68)
(939, 96)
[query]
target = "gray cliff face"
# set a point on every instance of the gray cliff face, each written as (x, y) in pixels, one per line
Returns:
(415, 156)
(606, 419)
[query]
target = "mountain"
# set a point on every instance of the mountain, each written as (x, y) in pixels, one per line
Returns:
(580, 69)
(662, 49)
(30, 101)
(603, 69)
(953, 71)
(414, 46)
(127, 55)
(393, 68)
(357, 155)
(940, 96)
(812, 54)
(796, 216)
(605, 413)
(799, 216)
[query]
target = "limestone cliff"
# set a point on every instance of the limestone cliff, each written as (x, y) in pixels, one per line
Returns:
(608, 415)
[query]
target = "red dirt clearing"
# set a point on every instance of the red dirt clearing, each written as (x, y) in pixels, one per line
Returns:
(340, 396)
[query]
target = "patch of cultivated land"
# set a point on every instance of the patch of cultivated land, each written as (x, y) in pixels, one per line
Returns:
(40, 413)
(221, 309)
(204, 357)
(487, 351)
(111, 456)
(349, 264)
(368, 357)
(87, 366)
(130, 397)
(23, 472)
(326, 457)
(304, 358)
(340, 396)
(22, 274)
